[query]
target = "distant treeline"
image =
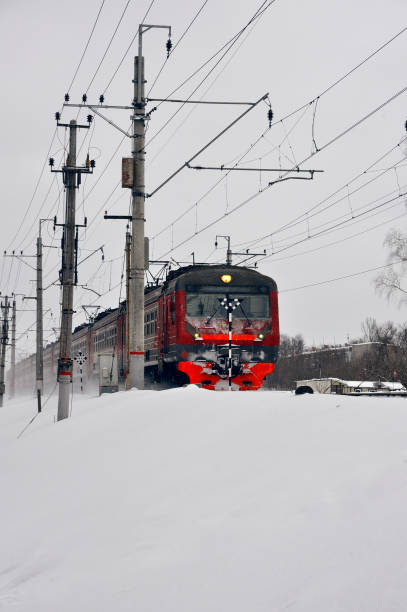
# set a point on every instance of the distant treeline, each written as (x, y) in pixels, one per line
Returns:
(380, 353)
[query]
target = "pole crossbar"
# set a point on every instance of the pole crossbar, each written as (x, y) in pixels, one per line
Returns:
(202, 149)
(225, 102)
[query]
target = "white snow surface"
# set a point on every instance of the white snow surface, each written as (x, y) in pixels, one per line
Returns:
(194, 501)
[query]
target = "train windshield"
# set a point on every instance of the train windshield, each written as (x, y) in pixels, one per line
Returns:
(209, 306)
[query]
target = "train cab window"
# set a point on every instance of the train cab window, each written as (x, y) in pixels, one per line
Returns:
(255, 306)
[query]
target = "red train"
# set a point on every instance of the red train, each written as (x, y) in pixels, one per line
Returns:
(186, 331)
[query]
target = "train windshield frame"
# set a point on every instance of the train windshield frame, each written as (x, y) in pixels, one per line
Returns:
(207, 304)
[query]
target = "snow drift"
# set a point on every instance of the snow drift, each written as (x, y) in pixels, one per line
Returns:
(194, 501)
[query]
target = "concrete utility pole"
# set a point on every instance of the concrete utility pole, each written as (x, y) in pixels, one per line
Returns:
(67, 280)
(136, 319)
(136, 353)
(128, 265)
(13, 351)
(4, 339)
(39, 366)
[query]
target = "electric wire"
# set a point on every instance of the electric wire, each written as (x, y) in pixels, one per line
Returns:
(86, 46)
(304, 107)
(307, 158)
(306, 215)
(338, 278)
(177, 44)
(341, 240)
(184, 121)
(108, 46)
(52, 140)
(260, 11)
(127, 50)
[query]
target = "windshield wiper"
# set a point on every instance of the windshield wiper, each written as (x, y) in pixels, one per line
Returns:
(245, 315)
(214, 313)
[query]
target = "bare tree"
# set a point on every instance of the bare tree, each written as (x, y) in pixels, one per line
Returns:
(389, 282)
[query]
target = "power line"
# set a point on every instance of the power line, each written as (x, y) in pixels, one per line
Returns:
(310, 156)
(177, 44)
(324, 246)
(53, 136)
(86, 46)
(201, 101)
(334, 227)
(338, 278)
(108, 46)
(305, 216)
(304, 107)
(260, 11)
(127, 50)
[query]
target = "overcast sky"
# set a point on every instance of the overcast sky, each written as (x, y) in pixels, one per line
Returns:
(294, 51)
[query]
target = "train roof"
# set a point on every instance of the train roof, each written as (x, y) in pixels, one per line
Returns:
(211, 274)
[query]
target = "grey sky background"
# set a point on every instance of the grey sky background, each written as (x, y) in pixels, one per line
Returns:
(294, 51)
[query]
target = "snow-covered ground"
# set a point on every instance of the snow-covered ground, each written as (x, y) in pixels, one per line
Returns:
(194, 501)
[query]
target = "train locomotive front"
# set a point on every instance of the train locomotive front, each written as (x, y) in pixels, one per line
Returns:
(202, 295)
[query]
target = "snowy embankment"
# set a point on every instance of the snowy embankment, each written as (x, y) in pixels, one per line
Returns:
(194, 501)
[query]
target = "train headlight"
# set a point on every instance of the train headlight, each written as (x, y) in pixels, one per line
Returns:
(226, 278)
(260, 336)
(196, 335)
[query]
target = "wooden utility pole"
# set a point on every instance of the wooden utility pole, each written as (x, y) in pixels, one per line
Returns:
(4, 340)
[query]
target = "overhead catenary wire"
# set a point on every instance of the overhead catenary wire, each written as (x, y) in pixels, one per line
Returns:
(86, 46)
(345, 276)
(185, 32)
(303, 107)
(260, 11)
(307, 158)
(310, 212)
(53, 136)
(330, 229)
(341, 240)
(108, 46)
(127, 50)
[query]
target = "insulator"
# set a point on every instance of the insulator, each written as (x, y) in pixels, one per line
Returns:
(92, 163)
(66, 97)
(90, 118)
(270, 116)
(169, 47)
(101, 99)
(405, 125)
(84, 98)
(51, 161)
(87, 163)
(57, 116)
